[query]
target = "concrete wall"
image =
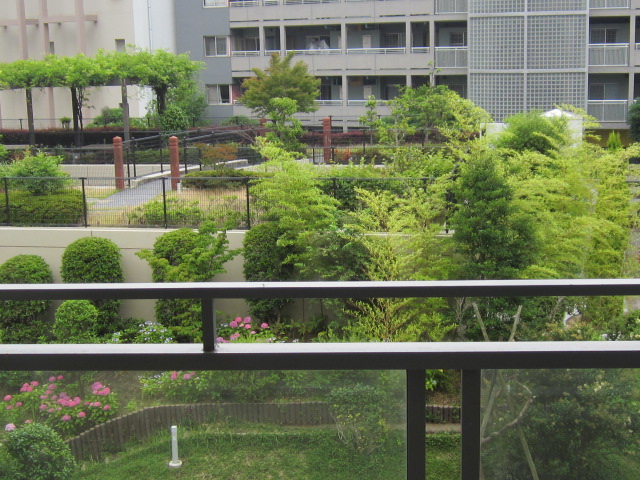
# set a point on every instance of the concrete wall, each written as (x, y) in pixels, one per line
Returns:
(50, 244)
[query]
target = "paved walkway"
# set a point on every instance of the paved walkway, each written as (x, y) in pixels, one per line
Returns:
(131, 197)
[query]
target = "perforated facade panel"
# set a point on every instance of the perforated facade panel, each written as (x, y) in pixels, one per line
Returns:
(556, 41)
(496, 43)
(546, 90)
(495, 6)
(557, 5)
(501, 94)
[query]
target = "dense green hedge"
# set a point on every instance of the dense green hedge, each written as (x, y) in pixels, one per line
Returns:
(218, 178)
(63, 208)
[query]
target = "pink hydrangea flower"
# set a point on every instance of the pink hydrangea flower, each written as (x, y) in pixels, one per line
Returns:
(60, 377)
(66, 418)
(174, 375)
(105, 391)
(28, 420)
(248, 326)
(9, 407)
(18, 404)
(9, 427)
(107, 407)
(7, 398)
(233, 324)
(264, 325)
(187, 376)
(43, 407)
(82, 414)
(34, 383)
(52, 379)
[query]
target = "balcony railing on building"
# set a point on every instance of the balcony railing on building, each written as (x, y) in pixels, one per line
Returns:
(608, 110)
(245, 53)
(376, 50)
(414, 358)
(451, 6)
(608, 3)
(452, 57)
(316, 51)
(609, 54)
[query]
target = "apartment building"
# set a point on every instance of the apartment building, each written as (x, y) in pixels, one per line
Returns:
(507, 56)
(35, 28)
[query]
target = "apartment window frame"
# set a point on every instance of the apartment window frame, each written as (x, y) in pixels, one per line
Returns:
(120, 44)
(609, 35)
(214, 45)
(219, 94)
(458, 39)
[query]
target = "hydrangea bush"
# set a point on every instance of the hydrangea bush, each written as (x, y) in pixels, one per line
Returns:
(51, 403)
(244, 330)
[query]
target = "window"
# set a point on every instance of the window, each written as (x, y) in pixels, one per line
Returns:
(604, 91)
(219, 94)
(393, 40)
(120, 47)
(215, 3)
(604, 35)
(52, 48)
(216, 47)
(458, 39)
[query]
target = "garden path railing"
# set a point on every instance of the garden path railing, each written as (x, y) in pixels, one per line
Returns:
(413, 358)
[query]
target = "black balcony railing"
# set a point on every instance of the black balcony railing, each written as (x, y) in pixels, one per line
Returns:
(414, 358)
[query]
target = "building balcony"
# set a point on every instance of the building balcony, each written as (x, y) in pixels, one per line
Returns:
(451, 57)
(609, 54)
(608, 110)
(451, 6)
(376, 51)
(486, 367)
(595, 4)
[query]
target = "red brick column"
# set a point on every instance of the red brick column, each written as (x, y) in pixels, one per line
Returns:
(326, 138)
(118, 160)
(174, 156)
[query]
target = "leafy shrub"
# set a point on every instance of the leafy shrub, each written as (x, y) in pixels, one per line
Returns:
(39, 174)
(186, 256)
(143, 332)
(76, 322)
(265, 260)
(95, 260)
(39, 453)
(179, 213)
(174, 119)
(239, 120)
(358, 412)
(240, 386)
(218, 178)
(218, 153)
(19, 318)
(62, 208)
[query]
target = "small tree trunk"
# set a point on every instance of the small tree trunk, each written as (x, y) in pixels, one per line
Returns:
(30, 122)
(75, 108)
(125, 111)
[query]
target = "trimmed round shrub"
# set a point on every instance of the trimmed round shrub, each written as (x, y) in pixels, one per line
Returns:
(39, 453)
(19, 318)
(76, 321)
(95, 260)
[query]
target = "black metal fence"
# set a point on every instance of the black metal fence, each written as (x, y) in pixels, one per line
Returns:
(149, 201)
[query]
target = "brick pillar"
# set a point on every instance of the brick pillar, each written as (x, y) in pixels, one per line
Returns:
(174, 158)
(118, 161)
(326, 139)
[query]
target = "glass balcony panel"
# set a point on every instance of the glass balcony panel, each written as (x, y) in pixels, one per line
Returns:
(560, 424)
(608, 110)
(451, 6)
(267, 424)
(607, 54)
(608, 3)
(454, 57)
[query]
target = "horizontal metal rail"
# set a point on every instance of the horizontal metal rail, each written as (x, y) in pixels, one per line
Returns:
(414, 357)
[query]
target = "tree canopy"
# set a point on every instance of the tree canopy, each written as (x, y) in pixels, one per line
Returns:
(281, 80)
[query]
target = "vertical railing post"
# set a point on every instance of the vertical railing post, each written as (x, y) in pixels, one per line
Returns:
(471, 410)
(84, 202)
(118, 161)
(416, 423)
(248, 204)
(6, 199)
(208, 325)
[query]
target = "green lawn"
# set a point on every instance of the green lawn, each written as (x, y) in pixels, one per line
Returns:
(218, 452)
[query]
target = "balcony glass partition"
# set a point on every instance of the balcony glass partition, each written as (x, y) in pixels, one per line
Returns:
(560, 424)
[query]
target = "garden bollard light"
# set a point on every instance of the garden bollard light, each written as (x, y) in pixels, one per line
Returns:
(174, 463)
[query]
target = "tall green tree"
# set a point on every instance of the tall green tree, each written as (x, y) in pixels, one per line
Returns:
(534, 132)
(281, 80)
(427, 109)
